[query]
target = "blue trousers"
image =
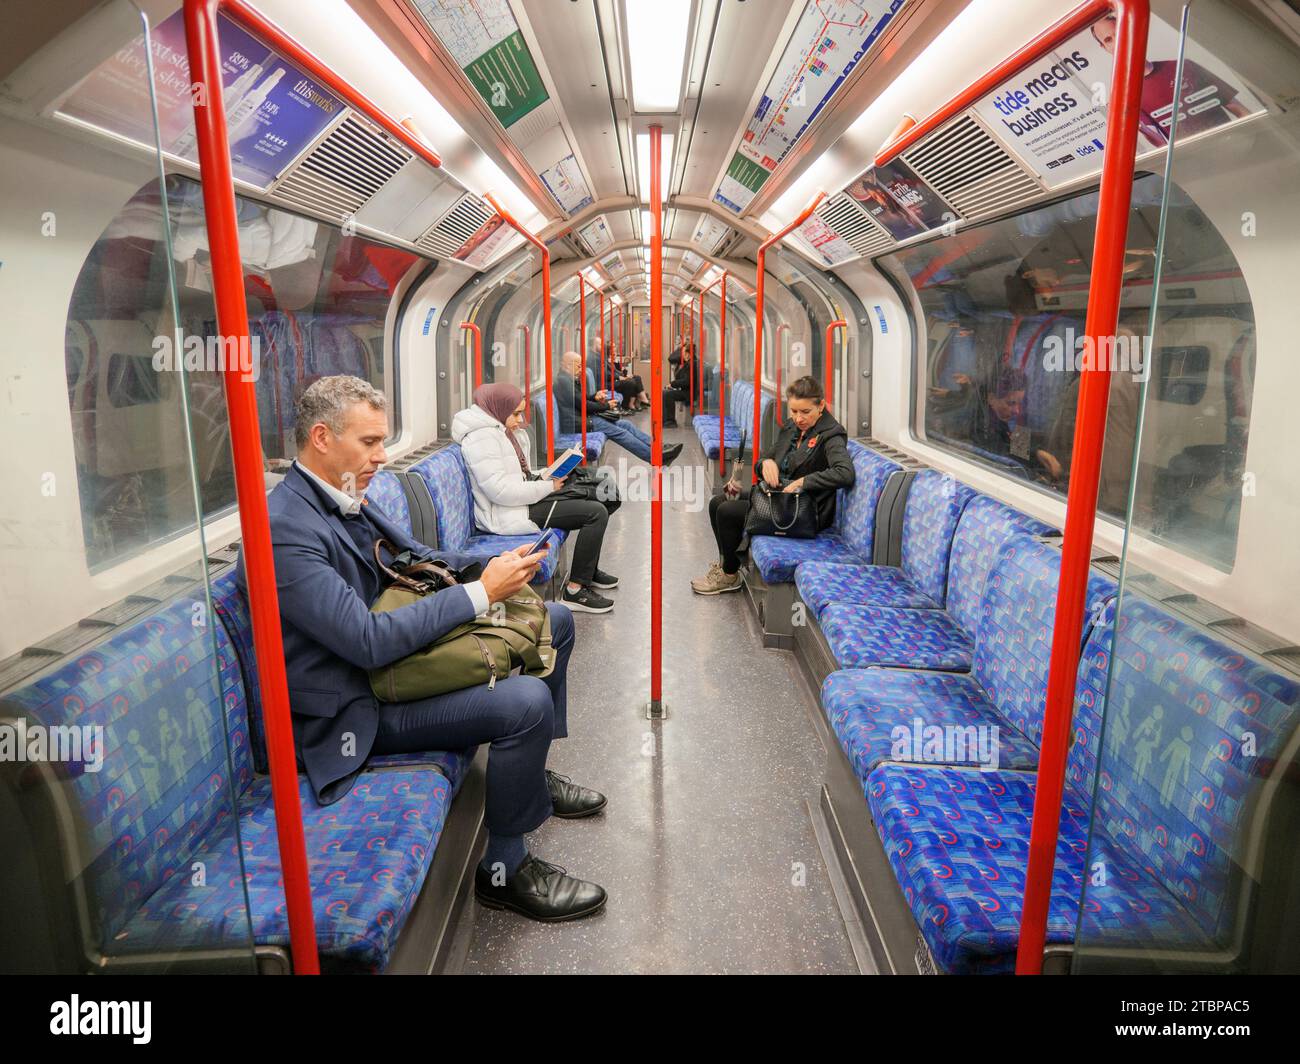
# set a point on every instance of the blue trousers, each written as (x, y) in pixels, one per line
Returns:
(625, 435)
(519, 717)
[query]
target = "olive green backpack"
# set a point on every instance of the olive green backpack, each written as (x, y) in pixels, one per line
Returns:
(515, 633)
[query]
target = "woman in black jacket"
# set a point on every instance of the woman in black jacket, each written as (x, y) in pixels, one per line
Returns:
(810, 455)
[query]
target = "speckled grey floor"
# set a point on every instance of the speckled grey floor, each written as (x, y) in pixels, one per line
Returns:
(706, 848)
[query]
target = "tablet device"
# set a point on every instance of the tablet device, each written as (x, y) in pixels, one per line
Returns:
(565, 464)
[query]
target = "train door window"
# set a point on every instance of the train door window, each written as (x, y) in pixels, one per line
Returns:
(318, 300)
(1004, 307)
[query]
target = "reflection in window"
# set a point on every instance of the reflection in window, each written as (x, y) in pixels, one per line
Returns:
(1005, 305)
(317, 302)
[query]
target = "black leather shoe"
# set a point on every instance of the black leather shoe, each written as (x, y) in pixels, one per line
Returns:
(571, 801)
(540, 891)
(671, 454)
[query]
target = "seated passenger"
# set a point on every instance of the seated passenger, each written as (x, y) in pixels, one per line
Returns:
(627, 385)
(510, 498)
(323, 531)
(679, 390)
(569, 396)
(810, 454)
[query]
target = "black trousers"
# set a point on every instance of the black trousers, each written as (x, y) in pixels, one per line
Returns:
(629, 388)
(519, 717)
(588, 518)
(727, 516)
(672, 396)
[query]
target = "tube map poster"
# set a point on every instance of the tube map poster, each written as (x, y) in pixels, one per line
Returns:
(830, 39)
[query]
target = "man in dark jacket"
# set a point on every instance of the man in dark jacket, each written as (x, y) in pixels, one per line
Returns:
(323, 532)
(810, 455)
(569, 397)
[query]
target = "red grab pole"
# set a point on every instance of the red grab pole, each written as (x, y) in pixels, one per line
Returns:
(802, 217)
(581, 384)
(528, 377)
(656, 708)
(545, 252)
(780, 361)
(722, 370)
(601, 293)
(829, 367)
(1115, 195)
(690, 339)
(246, 445)
(469, 326)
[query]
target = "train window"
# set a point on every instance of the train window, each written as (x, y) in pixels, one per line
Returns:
(1004, 307)
(318, 299)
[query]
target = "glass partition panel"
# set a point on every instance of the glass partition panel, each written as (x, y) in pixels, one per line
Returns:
(126, 777)
(1190, 863)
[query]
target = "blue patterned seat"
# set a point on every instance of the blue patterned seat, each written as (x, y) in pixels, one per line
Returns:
(934, 507)
(1167, 843)
(447, 477)
(896, 630)
(367, 857)
(1007, 684)
(862, 637)
(168, 698)
(385, 491)
(853, 538)
(232, 610)
(881, 715)
(738, 420)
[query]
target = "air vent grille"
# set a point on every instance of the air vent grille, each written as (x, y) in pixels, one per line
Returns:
(454, 229)
(855, 226)
(353, 162)
(971, 170)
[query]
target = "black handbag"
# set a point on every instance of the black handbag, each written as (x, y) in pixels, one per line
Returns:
(773, 512)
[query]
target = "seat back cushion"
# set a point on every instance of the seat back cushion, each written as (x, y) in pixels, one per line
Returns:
(387, 493)
(985, 526)
(1013, 639)
(448, 480)
(1192, 729)
(855, 510)
(934, 506)
(165, 699)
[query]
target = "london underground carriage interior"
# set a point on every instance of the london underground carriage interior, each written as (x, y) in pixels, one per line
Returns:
(937, 487)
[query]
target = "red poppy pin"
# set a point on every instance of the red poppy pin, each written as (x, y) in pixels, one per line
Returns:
(812, 442)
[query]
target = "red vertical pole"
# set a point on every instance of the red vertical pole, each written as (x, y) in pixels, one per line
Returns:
(828, 368)
(780, 361)
(655, 709)
(690, 339)
(699, 314)
(550, 363)
(601, 293)
(528, 378)
(250, 486)
(1105, 289)
(469, 326)
(758, 315)
(581, 383)
(722, 383)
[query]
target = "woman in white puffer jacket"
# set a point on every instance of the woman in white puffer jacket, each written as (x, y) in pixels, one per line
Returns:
(510, 501)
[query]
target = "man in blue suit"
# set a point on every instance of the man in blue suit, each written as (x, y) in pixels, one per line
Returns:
(323, 531)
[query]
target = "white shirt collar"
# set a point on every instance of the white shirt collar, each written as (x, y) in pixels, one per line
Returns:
(346, 503)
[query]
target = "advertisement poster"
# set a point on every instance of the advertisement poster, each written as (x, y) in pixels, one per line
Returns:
(482, 247)
(899, 201)
(828, 244)
(273, 111)
(1053, 114)
(484, 39)
(829, 41)
(564, 181)
(596, 234)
